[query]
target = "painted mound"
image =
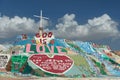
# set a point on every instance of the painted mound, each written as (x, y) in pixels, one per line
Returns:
(50, 57)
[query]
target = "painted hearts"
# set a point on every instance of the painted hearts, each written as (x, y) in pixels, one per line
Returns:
(56, 64)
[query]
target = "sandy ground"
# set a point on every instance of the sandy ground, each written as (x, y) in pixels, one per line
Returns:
(11, 76)
(55, 78)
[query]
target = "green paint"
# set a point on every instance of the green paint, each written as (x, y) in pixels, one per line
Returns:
(75, 47)
(17, 62)
(101, 67)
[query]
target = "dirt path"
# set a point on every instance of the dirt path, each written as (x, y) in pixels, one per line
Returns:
(55, 78)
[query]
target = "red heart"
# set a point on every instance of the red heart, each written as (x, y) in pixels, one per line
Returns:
(57, 64)
(37, 35)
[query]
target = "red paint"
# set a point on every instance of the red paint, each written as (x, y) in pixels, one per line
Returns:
(37, 35)
(83, 75)
(109, 54)
(42, 39)
(44, 35)
(58, 64)
(52, 42)
(33, 41)
(50, 34)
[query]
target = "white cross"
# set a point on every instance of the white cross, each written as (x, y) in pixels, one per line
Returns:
(41, 17)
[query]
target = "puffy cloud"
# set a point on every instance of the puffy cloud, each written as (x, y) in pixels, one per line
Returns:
(96, 28)
(10, 27)
(67, 27)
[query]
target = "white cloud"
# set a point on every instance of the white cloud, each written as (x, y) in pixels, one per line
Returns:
(67, 27)
(96, 28)
(10, 27)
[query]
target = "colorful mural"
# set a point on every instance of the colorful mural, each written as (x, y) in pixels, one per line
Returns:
(44, 38)
(56, 64)
(63, 58)
(46, 56)
(4, 58)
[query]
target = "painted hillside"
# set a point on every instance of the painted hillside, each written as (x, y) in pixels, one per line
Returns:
(60, 58)
(43, 55)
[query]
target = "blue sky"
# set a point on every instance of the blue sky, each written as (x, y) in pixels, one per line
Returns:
(84, 9)
(87, 18)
